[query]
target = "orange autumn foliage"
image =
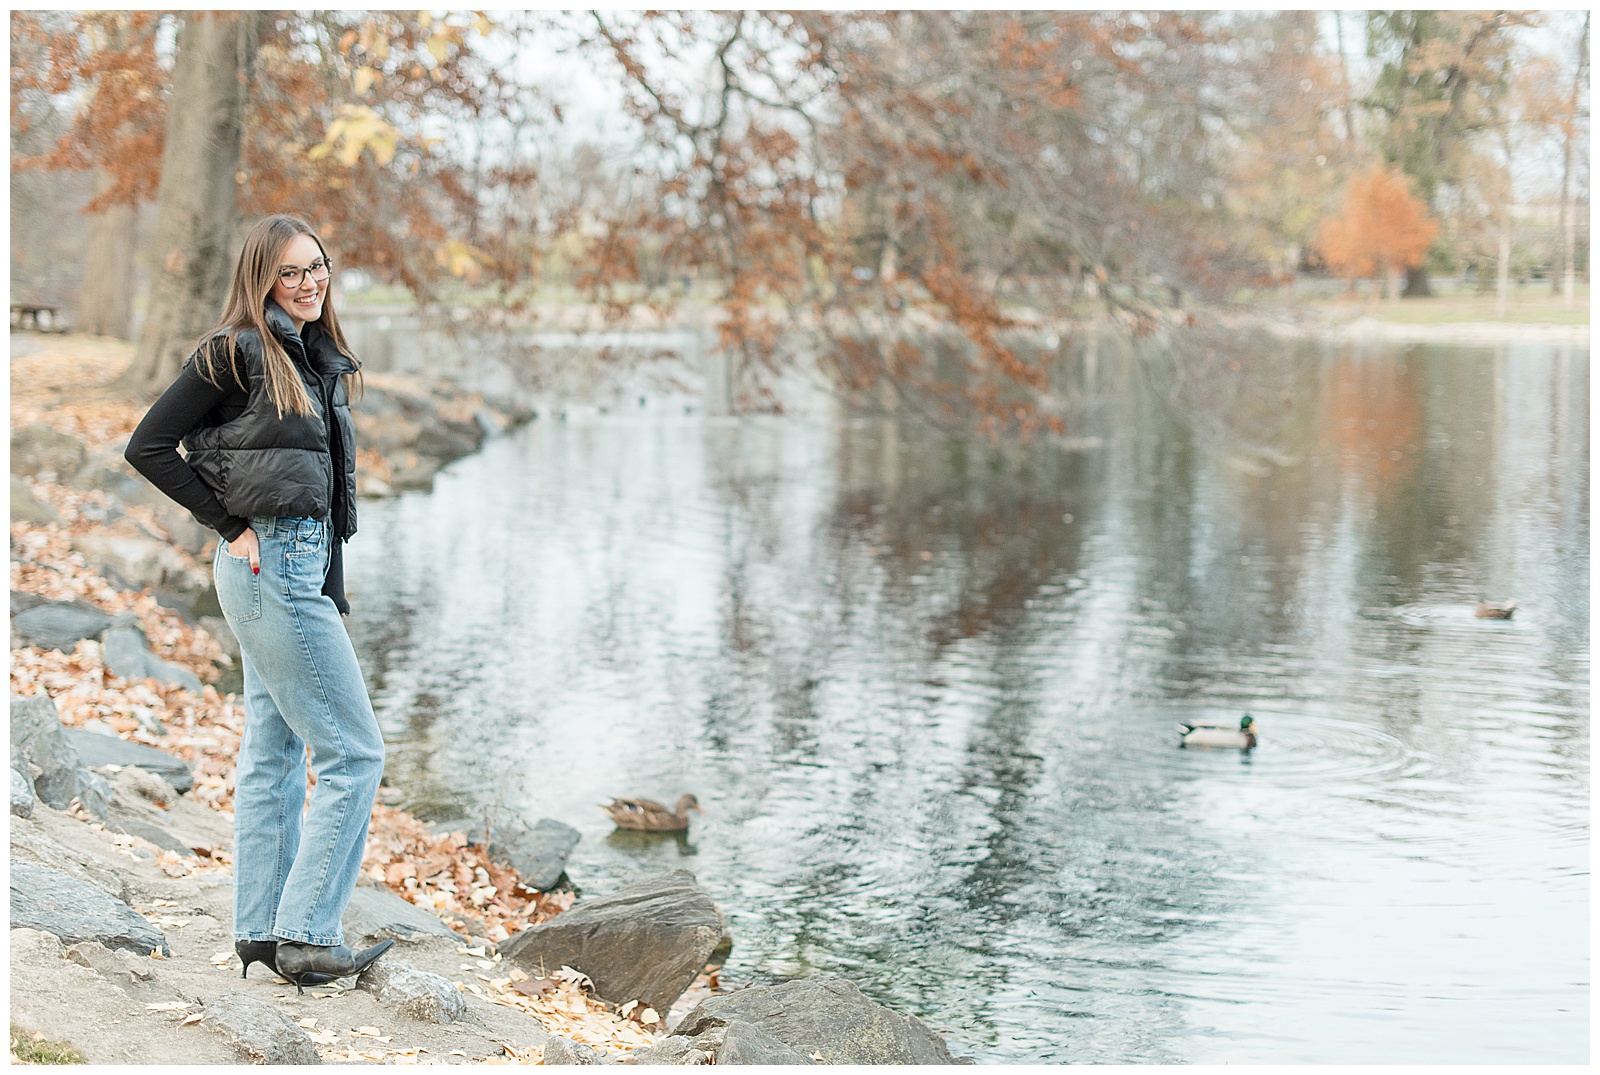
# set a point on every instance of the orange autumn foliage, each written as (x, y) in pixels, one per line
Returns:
(1381, 229)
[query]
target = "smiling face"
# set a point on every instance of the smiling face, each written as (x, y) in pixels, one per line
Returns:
(303, 302)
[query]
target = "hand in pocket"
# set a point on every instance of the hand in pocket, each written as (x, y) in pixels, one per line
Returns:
(247, 545)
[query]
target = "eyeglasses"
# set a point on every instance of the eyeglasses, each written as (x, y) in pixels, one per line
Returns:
(291, 276)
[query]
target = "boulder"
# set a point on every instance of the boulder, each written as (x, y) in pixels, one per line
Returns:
(54, 902)
(38, 739)
(378, 913)
(123, 969)
(97, 750)
(21, 794)
(565, 1051)
(48, 454)
(30, 844)
(647, 941)
(22, 601)
(133, 561)
(712, 1041)
(134, 786)
(94, 793)
(259, 1030)
(823, 1014)
(448, 441)
(146, 831)
(218, 628)
(384, 433)
(27, 508)
(106, 470)
(127, 654)
(539, 854)
(60, 624)
(432, 998)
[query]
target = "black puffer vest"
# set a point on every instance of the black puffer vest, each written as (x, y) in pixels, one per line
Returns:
(259, 463)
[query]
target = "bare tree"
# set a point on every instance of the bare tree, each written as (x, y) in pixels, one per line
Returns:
(105, 298)
(1569, 125)
(197, 204)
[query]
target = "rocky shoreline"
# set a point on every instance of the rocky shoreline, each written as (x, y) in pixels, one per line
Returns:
(125, 721)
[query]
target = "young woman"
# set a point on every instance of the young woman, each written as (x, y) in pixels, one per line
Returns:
(262, 408)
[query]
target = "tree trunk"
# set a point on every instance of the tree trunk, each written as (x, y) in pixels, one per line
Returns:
(105, 299)
(197, 203)
(1569, 211)
(1418, 285)
(1503, 278)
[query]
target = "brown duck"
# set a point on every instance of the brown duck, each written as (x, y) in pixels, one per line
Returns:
(647, 815)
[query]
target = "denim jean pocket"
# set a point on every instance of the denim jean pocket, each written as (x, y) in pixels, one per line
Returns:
(238, 587)
(307, 538)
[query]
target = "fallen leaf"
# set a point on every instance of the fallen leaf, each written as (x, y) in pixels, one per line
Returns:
(365, 1032)
(192, 1019)
(309, 1022)
(168, 1006)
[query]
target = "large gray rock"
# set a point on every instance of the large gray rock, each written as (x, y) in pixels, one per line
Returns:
(539, 854)
(560, 1050)
(94, 793)
(30, 844)
(21, 794)
(132, 561)
(447, 441)
(218, 628)
(823, 1014)
(106, 470)
(261, 1033)
(118, 822)
(49, 900)
(380, 914)
(127, 654)
(715, 1042)
(96, 750)
(42, 452)
(130, 973)
(421, 994)
(38, 739)
(60, 624)
(647, 941)
(27, 508)
(22, 601)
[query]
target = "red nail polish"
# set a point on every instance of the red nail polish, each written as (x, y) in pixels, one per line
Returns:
(256, 568)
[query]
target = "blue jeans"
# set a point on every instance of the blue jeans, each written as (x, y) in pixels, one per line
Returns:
(302, 687)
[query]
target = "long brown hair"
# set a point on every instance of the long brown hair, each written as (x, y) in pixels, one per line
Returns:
(248, 294)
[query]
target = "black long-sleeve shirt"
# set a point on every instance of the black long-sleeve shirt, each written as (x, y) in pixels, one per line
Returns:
(153, 452)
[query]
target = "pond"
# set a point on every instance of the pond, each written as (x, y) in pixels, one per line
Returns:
(926, 690)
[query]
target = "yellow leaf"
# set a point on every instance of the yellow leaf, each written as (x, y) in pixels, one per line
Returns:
(382, 148)
(439, 47)
(481, 23)
(364, 78)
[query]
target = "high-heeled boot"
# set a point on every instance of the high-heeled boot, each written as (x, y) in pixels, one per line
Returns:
(265, 952)
(301, 963)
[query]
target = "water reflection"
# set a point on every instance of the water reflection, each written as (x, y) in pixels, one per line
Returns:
(926, 690)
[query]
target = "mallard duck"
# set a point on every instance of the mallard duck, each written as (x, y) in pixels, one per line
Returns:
(648, 815)
(1495, 610)
(1215, 734)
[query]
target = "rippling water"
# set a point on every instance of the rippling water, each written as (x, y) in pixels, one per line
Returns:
(926, 691)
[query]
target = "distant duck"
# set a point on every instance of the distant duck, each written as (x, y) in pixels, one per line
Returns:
(1495, 610)
(1216, 735)
(647, 815)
